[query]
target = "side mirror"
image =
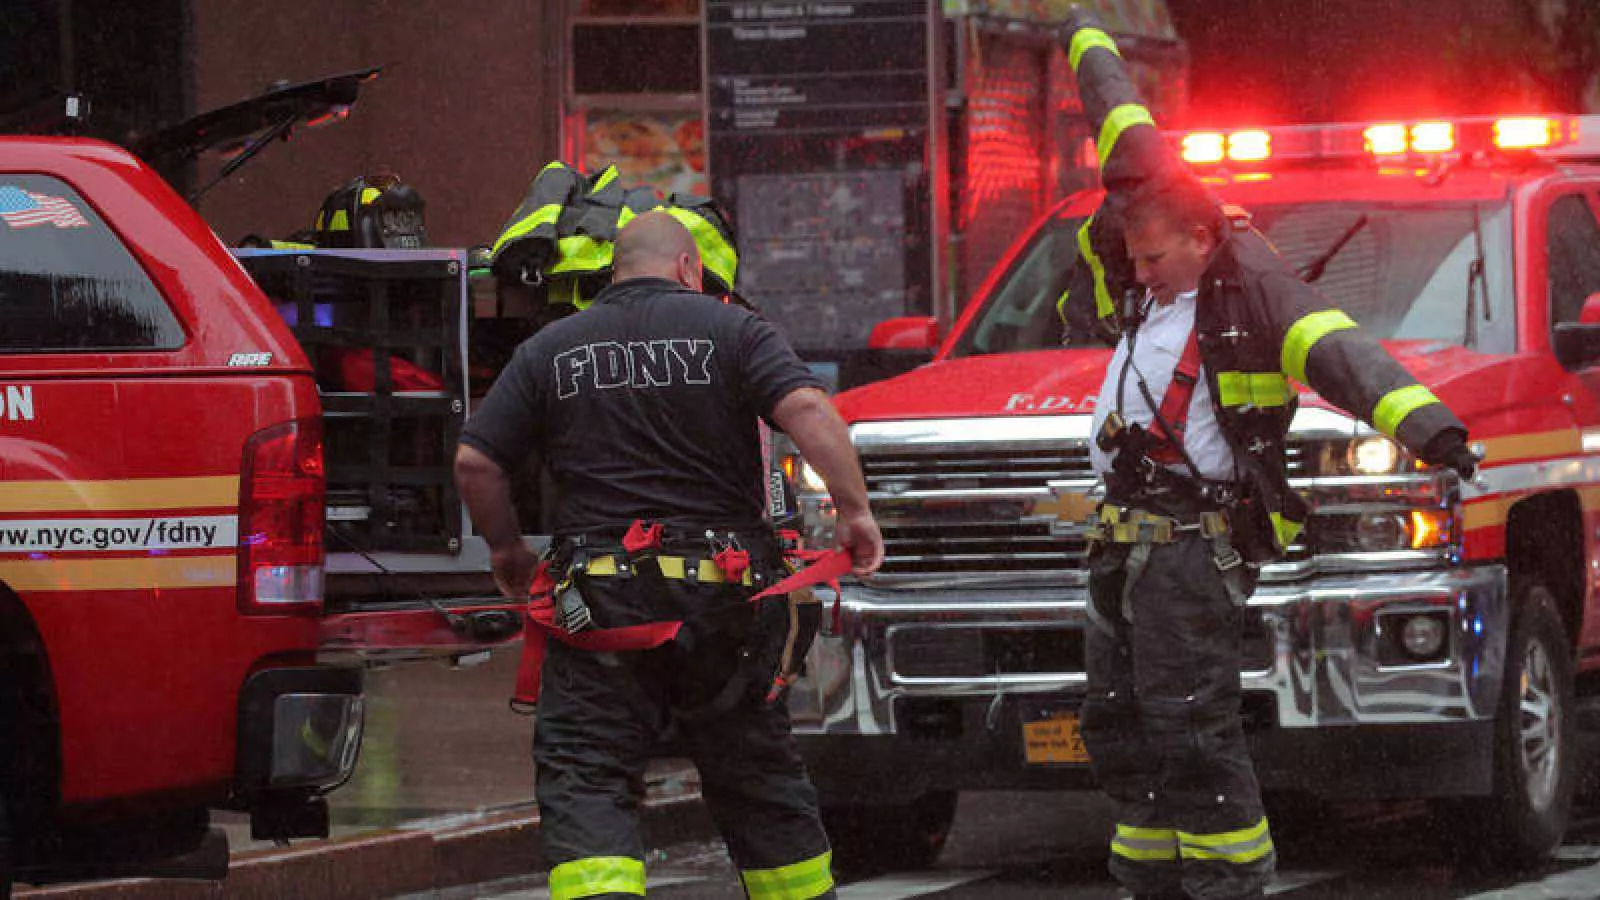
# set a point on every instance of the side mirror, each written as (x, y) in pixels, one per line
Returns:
(1591, 310)
(1577, 344)
(921, 333)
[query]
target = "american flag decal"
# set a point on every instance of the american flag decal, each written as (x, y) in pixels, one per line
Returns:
(25, 209)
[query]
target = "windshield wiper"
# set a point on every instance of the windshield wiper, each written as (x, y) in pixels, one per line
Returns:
(1476, 283)
(1314, 269)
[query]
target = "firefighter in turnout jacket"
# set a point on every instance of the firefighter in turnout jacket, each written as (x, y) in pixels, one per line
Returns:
(1211, 327)
(644, 408)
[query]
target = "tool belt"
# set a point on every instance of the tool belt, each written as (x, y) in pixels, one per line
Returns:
(1119, 525)
(787, 614)
(1132, 535)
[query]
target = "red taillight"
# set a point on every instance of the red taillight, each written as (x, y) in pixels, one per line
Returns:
(281, 519)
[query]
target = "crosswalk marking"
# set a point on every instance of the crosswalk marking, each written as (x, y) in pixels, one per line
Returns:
(1285, 882)
(1573, 884)
(909, 884)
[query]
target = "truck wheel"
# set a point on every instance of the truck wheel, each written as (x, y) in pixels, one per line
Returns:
(1522, 823)
(902, 836)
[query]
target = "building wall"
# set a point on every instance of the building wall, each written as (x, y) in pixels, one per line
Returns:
(465, 109)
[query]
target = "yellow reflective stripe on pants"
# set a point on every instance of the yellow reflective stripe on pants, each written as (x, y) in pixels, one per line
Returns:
(1084, 40)
(544, 215)
(798, 881)
(1285, 529)
(1243, 846)
(1252, 389)
(1304, 334)
(715, 253)
(597, 875)
(1399, 403)
(1117, 121)
(1145, 844)
(1102, 295)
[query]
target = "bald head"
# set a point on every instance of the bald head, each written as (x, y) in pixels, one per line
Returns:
(655, 245)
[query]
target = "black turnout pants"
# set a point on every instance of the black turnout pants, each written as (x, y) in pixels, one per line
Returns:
(600, 716)
(1162, 727)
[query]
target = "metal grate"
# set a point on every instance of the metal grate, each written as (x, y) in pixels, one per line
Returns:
(975, 510)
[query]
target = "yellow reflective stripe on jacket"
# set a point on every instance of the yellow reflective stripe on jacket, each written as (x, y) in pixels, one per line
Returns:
(605, 179)
(1243, 846)
(597, 875)
(1285, 529)
(1117, 121)
(1252, 389)
(1102, 295)
(340, 221)
(1304, 334)
(1145, 844)
(370, 194)
(1397, 404)
(715, 252)
(1061, 304)
(1085, 39)
(544, 215)
(581, 253)
(798, 881)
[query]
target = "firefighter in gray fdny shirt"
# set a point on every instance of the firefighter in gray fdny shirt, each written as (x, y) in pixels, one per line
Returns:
(644, 408)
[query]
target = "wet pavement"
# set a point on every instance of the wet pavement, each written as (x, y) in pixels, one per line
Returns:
(1029, 846)
(441, 747)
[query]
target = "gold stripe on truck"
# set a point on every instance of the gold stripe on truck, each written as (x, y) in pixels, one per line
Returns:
(207, 491)
(120, 574)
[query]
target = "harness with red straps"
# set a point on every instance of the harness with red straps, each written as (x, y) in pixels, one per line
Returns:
(544, 617)
(1174, 410)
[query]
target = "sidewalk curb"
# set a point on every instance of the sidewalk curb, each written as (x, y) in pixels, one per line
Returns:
(405, 860)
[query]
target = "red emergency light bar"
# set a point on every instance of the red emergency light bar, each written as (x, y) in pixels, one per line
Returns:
(1418, 142)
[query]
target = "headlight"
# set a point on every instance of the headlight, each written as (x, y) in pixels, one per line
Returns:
(1365, 456)
(1381, 530)
(1373, 456)
(811, 480)
(817, 513)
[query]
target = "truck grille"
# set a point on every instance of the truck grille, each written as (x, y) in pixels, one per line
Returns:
(951, 505)
(974, 511)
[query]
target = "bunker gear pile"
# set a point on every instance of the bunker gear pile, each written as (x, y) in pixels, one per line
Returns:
(560, 241)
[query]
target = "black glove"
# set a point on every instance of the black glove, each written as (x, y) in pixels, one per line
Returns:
(1449, 449)
(1463, 460)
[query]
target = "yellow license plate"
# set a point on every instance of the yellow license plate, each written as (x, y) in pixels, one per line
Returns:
(1054, 740)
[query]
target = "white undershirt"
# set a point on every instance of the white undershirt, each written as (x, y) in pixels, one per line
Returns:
(1161, 340)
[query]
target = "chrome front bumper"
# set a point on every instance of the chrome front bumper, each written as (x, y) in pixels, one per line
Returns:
(1320, 661)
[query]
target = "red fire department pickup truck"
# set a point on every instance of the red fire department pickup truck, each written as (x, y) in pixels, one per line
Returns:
(1426, 639)
(161, 533)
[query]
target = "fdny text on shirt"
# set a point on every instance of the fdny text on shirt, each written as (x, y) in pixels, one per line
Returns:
(605, 365)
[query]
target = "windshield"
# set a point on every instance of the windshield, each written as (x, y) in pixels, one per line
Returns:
(1403, 274)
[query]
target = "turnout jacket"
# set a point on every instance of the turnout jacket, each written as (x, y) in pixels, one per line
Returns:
(1259, 325)
(561, 238)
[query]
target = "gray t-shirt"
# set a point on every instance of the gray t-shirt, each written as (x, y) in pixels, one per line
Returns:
(644, 406)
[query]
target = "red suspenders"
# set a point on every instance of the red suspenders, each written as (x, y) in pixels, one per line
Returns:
(1175, 403)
